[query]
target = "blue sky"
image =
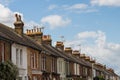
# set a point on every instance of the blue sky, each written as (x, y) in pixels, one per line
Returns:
(94, 24)
(103, 18)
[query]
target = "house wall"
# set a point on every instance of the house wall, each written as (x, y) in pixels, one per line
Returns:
(5, 51)
(46, 61)
(34, 64)
(61, 68)
(22, 65)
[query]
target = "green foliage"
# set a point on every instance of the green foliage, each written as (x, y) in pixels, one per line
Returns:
(8, 71)
(101, 78)
(98, 78)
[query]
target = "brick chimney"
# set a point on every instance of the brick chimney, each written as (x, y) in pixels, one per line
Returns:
(46, 39)
(60, 45)
(35, 33)
(76, 53)
(110, 70)
(87, 58)
(99, 65)
(18, 24)
(82, 56)
(68, 50)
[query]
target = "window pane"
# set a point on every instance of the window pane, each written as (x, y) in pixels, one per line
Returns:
(17, 57)
(21, 59)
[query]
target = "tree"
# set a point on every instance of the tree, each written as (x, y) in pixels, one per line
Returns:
(98, 78)
(8, 71)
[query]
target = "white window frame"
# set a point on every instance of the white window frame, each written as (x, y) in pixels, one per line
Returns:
(19, 57)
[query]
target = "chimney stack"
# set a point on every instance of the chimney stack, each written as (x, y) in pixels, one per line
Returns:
(87, 58)
(46, 39)
(68, 50)
(18, 24)
(60, 45)
(35, 33)
(76, 53)
(82, 56)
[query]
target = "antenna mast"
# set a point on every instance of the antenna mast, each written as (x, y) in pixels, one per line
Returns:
(80, 48)
(62, 39)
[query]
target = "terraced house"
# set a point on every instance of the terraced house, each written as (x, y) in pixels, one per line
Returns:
(37, 59)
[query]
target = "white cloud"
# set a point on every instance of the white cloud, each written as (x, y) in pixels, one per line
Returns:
(55, 21)
(31, 24)
(87, 34)
(78, 6)
(51, 7)
(104, 52)
(5, 2)
(7, 16)
(106, 2)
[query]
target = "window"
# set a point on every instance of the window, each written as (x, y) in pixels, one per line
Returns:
(44, 63)
(68, 72)
(34, 78)
(78, 71)
(21, 57)
(60, 66)
(17, 57)
(53, 65)
(33, 58)
(19, 78)
(43, 59)
(75, 68)
(25, 77)
(84, 71)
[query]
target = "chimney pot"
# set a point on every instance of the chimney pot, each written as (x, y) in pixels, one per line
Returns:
(37, 29)
(27, 31)
(32, 30)
(40, 29)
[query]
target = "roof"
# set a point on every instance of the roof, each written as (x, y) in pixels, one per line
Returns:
(72, 57)
(48, 50)
(10, 34)
(55, 51)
